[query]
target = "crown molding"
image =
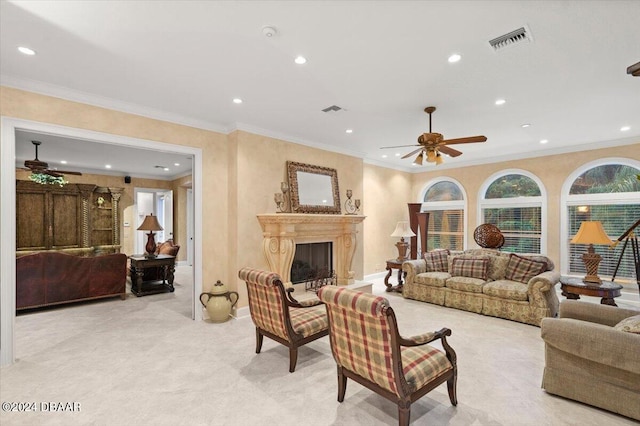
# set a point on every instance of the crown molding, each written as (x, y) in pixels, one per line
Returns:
(287, 138)
(61, 92)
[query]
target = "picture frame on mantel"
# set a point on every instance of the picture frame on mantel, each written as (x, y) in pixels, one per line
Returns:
(314, 189)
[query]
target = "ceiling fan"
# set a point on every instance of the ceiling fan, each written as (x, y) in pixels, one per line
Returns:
(40, 167)
(432, 145)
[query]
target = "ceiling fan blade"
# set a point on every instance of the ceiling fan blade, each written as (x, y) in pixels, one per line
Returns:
(66, 172)
(449, 151)
(411, 153)
(398, 146)
(470, 139)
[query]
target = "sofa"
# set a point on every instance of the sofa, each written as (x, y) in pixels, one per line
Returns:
(591, 356)
(51, 278)
(505, 285)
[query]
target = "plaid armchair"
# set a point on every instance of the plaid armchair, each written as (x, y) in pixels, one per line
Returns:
(277, 315)
(368, 349)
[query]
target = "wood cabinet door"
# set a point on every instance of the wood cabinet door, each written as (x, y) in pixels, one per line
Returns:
(66, 220)
(31, 221)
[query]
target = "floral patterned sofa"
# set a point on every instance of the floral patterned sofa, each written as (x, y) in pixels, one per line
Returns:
(505, 285)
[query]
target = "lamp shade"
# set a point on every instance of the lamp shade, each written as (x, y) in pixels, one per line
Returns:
(150, 223)
(591, 232)
(403, 230)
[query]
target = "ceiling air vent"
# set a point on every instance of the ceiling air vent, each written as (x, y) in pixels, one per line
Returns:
(332, 108)
(512, 38)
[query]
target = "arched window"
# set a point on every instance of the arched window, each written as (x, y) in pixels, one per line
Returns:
(608, 191)
(514, 201)
(444, 200)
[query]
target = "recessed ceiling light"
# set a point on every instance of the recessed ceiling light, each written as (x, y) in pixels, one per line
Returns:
(237, 100)
(525, 125)
(26, 51)
(300, 60)
(544, 140)
(624, 128)
(397, 154)
(166, 169)
(176, 164)
(63, 161)
(349, 130)
(454, 58)
(500, 102)
(384, 155)
(107, 166)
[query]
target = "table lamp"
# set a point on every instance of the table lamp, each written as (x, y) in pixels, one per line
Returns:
(591, 232)
(403, 230)
(150, 223)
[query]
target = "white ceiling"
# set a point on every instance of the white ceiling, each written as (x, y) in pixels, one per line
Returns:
(382, 61)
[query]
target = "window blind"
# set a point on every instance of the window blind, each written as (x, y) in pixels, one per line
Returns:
(521, 227)
(446, 229)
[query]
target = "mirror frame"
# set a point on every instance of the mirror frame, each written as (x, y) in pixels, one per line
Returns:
(293, 168)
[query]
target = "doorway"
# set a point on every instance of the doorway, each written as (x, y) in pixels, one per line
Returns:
(158, 202)
(8, 127)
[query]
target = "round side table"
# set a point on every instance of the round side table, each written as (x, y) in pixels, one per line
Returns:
(391, 265)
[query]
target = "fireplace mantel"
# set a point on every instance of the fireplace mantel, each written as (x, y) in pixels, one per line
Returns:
(282, 231)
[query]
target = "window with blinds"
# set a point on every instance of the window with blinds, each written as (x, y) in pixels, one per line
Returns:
(444, 201)
(513, 203)
(609, 193)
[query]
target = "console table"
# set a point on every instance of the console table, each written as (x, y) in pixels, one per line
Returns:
(573, 287)
(162, 262)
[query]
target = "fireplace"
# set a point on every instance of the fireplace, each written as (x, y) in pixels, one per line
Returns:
(282, 233)
(311, 262)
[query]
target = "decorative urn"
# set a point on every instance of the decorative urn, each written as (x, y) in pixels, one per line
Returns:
(219, 302)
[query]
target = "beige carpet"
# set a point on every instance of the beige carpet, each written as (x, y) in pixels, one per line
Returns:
(143, 361)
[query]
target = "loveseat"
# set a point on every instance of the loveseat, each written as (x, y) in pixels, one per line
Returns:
(51, 278)
(591, 356)
(505, 285)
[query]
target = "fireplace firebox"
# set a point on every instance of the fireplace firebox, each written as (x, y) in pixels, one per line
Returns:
(311, 262)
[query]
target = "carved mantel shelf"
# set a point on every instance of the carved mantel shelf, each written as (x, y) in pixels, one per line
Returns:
(281, 232)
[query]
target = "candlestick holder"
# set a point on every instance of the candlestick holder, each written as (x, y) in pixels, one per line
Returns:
(351, 206)
(282, 198)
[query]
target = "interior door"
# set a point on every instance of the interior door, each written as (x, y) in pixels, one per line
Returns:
(164, 200)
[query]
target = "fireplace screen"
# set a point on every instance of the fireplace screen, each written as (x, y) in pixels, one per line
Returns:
(313, 265)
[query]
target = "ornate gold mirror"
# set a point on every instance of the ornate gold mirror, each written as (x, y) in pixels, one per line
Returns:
(314, 189)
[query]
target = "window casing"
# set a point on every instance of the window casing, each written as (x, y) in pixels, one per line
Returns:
(514, 201)
(607, 191)
(444, 200)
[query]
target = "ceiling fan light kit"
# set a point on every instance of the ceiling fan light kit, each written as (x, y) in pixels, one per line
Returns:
(434, 144)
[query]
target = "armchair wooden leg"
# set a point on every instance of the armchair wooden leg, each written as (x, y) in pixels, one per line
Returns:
(451, 387)
(342, 384)
(404, 413)
(259, 338)
(293, 359)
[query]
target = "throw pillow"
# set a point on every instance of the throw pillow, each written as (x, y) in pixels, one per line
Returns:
(437, 260)
(630, 325)
(522, 269)
(472, 267)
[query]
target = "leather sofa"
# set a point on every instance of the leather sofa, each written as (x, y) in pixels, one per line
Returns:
(505, 285)
(591, 357)
(51, 278)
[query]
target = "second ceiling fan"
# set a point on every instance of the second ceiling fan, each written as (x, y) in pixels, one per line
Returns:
(433, 144)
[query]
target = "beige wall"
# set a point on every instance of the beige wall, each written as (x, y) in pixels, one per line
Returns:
(551, 170)
(179, 187)
(386, 194)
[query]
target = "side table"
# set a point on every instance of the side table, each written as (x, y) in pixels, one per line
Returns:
(139, 263)
(391, 265)
(573, 287)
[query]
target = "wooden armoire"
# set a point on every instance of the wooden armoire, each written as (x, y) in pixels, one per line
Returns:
(80, 219)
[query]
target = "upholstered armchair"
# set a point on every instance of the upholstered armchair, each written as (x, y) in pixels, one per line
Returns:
(592, 355)
(277, 315)
(368, 349)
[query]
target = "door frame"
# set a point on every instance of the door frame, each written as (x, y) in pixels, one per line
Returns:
(8, 126)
